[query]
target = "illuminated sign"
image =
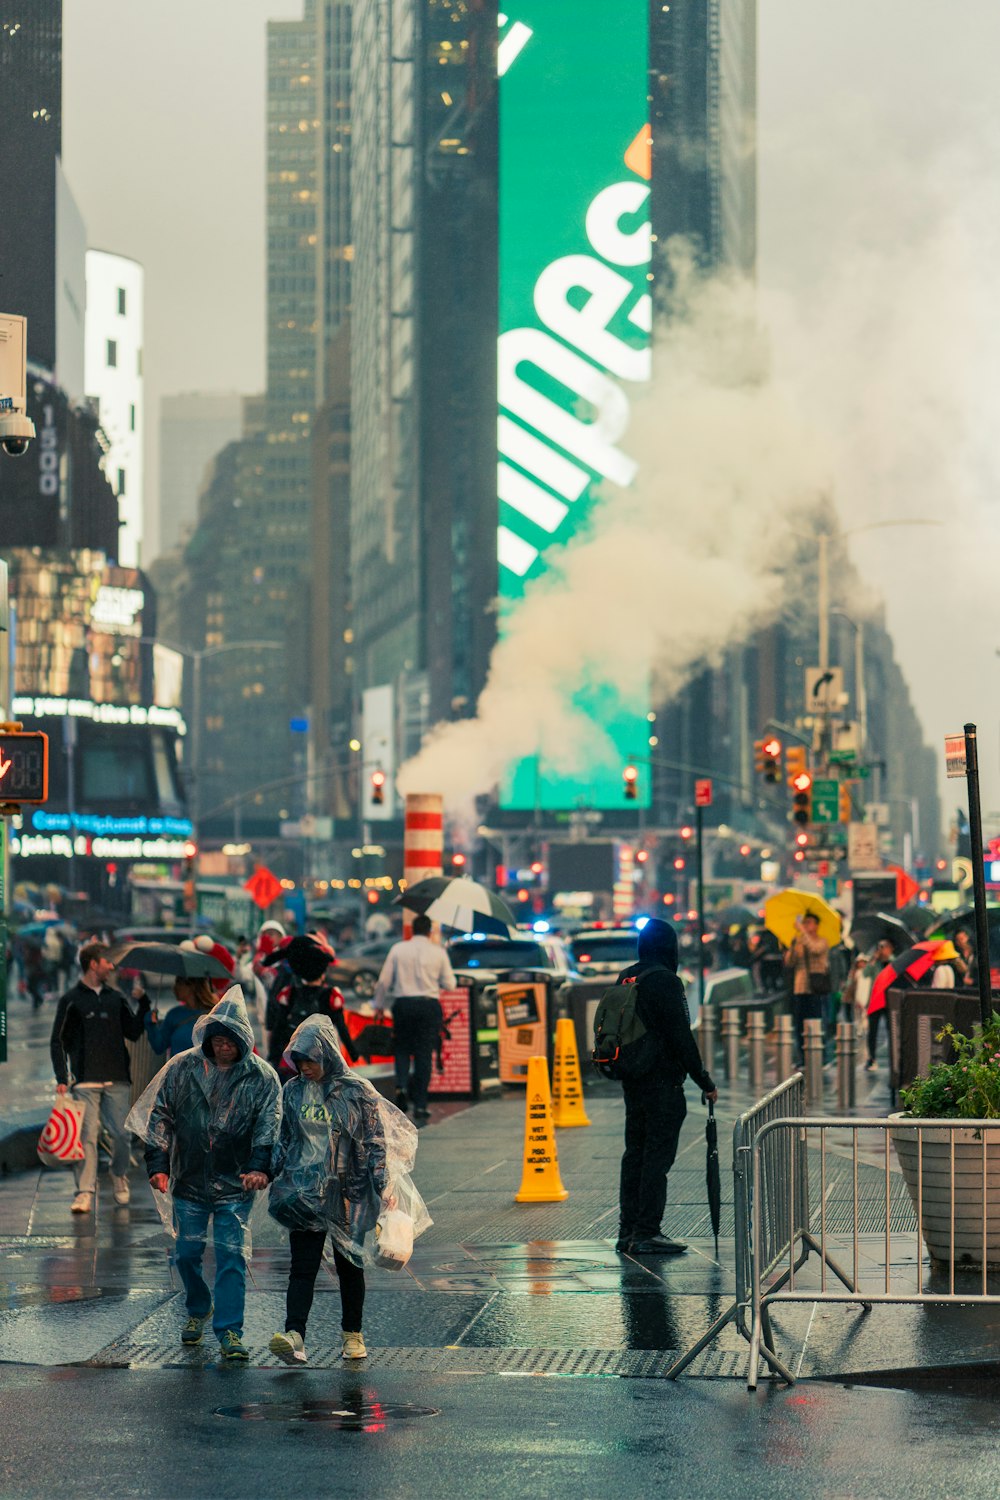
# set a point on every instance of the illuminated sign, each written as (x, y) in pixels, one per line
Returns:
(60, 844)
(101, 713)
(106, 827)
(575, 317)
(24, 767)
(117, 611)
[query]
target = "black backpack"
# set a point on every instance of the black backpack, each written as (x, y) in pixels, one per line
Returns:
(623, 1046)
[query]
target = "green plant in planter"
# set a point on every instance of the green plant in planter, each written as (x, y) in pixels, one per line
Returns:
(968, 1087)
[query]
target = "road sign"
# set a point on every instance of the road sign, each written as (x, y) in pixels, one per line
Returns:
(825, 802)
(703, 793)
(954, 754)
(264, 886)
(24, 767)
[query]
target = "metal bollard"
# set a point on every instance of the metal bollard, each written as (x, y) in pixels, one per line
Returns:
(731, 1027)
(786, 1048)
(812, 1046)
(846, 1061)
(755, 1048)
(706, 1035)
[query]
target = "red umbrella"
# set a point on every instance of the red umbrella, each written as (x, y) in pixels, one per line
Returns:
(914, 964)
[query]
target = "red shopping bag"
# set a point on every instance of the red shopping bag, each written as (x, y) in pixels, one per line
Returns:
(61, 1142)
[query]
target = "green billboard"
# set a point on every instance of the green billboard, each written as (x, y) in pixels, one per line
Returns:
(575, 317)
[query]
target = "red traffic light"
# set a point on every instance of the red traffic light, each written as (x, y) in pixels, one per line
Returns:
(458, 859)
(378, 787)
(630, 778)
(772, 748)
(802, 782)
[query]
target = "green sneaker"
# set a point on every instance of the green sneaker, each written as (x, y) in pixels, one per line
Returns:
(194, 1328)
(233, 1346)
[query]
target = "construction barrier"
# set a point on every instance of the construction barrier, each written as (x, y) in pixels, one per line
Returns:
(540, 1180)
(567, 1085)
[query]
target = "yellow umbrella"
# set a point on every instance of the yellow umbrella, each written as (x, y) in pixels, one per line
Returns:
(782, 911)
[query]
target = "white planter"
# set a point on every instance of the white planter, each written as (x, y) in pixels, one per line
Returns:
(936, 1189)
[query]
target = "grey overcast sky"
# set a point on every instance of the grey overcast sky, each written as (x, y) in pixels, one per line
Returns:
(879, 238)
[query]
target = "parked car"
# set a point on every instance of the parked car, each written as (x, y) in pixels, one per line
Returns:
(356, 970)
(599, 951)
(498, 954)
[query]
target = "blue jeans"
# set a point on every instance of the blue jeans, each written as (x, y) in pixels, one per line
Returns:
(229, 1237)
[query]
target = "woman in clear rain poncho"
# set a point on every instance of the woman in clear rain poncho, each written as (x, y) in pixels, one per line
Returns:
(343, 1161)
(209, 1121)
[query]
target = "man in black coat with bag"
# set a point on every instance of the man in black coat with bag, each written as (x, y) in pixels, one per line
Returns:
(654, 1102)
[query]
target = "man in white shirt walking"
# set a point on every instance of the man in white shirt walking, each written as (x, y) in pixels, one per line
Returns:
(412, 978)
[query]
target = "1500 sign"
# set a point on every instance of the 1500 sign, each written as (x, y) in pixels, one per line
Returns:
(24, 767)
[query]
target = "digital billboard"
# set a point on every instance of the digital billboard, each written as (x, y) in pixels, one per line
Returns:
(575, 319)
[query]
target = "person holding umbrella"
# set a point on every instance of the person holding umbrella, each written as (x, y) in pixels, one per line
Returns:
(195, 997)
(410, 984)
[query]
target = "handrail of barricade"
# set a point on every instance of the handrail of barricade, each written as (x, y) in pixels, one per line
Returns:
(781, 1103)
(773, 1281)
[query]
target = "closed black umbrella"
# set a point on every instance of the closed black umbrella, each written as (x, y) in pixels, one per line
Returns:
(166, 958)
(871, 929)
(712, 1184)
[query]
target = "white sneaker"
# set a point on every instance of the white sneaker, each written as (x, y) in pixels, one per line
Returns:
(354, 1346)
(82, 1203)
(121, 1187)
(289, 1347)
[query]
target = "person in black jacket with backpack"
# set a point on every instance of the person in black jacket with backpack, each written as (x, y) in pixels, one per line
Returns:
(309, 994)
(654, 1100)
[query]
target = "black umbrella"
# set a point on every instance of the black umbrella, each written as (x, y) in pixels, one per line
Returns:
(165, 958)
(712, 1183)
(919, 918)
(737, 916)
(872, 928)
(458, 902)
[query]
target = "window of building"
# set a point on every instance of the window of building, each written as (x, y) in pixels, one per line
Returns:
(112, 352)
(131, 418)
(121, 301)
(121, 481)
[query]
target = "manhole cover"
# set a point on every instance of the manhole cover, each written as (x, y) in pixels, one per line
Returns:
(362, 1416)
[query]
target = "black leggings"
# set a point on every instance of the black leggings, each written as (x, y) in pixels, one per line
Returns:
(307, 1256)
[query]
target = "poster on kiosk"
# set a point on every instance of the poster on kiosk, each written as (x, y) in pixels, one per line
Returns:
(521, 1021)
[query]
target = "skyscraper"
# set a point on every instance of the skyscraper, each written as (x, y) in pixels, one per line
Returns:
(423, 503)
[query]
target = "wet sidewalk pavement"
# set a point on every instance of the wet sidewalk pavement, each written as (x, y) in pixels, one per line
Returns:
(494, 1287)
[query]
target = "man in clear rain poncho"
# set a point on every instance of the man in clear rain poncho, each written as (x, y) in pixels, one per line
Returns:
(210, 1122)
(342, 1170)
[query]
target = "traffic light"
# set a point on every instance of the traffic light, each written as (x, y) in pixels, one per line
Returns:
(796, 761)
(770, 759)
(845, 803)
(802, 798)
(24, 766)
(378, 788)
(630, 783)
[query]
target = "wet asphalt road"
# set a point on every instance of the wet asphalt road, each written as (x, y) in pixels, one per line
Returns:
(538, 1351)
(165, 1434)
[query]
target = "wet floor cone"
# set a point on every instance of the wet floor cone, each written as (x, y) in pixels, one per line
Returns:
(540, 1181)
(567, 1086)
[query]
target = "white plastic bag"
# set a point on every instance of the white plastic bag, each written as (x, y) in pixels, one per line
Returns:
(393, 1239)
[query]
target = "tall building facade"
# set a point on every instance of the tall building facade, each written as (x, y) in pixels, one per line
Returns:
(114, 381)
(250, 559)
(423, 503)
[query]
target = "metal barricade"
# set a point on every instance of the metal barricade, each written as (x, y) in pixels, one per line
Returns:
(781, 1103)
(951, 1170)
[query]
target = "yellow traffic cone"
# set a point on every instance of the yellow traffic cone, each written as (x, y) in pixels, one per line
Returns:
(540, 1181)
(567, 1087)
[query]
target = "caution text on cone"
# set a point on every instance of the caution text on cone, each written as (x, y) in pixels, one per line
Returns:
(567, 1086)
(540, 1180)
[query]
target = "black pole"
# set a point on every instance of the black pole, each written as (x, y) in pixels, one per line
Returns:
(699, 814)
(978, 875)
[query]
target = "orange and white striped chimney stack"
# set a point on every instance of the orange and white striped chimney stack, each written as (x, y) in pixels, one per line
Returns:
(423, 841)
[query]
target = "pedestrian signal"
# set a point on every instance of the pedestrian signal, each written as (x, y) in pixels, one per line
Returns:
(772, 760)
(378, 788)
(630, 783)
(802, 798)
(24, 766)
(796, 761)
